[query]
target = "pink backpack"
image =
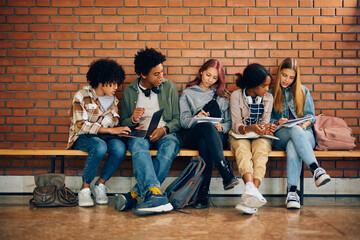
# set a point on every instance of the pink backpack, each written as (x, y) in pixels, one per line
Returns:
(332, 133)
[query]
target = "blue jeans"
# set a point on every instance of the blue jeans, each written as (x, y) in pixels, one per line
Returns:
(150, 172)
(97, 146)
(299, 145)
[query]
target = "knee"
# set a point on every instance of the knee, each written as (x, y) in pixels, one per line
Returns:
(99, 148)
(239, 145)
(290, 146)
(138, 144)
(173, 142)
(208, 127)
(296, 131)
(118, 149)
(262, 144)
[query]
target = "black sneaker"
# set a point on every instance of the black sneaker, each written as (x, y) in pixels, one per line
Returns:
(229, 180)
(202, 200)
(124, 202)
(320, 177)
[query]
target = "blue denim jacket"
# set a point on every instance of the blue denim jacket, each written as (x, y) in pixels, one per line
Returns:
(309, 108)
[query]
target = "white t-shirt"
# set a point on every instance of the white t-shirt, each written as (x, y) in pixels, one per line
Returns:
(106, 101)
(151, 105)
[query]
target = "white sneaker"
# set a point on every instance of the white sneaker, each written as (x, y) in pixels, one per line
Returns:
(292, 201)
(320, 177)
(85, 199)
(252, 197)
(99, 192)
(244, 209)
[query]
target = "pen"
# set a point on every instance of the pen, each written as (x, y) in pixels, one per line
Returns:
(204, 112)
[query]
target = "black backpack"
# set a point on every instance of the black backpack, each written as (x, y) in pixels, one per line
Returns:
(183, 190)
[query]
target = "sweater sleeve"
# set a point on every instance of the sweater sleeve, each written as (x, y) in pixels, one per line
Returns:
(185, 110)
(235, 109)
(174, 123)
(126, 111)
(80, 117)
(226, 115)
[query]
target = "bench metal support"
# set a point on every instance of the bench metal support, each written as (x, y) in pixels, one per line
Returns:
(53, 163)
(302, 185)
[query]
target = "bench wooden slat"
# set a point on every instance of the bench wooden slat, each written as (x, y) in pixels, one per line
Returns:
(183, 153)
(42, 152)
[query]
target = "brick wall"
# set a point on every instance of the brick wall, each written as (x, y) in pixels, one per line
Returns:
(47, 45)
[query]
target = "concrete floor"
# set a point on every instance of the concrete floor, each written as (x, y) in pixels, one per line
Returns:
(319, 218)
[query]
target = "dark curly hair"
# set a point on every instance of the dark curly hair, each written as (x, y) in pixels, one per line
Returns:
(105, 71)
(146, 59)
(253, 75)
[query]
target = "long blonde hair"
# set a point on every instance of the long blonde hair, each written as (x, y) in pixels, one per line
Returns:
(295, 88)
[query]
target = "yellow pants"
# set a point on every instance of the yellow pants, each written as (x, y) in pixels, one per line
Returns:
(251, 155)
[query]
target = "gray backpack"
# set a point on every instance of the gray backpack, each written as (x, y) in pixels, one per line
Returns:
(183, 190)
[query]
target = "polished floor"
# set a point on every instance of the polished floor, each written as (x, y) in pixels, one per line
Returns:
(319, 218)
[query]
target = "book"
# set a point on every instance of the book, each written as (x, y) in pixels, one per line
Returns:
(199, 119)
(294, 122)
(252, 135)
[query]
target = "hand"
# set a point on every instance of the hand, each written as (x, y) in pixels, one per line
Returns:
(270, 128)
(120, 130)
(282, 120)
(256, 128)
(140, 127)
(202, 113)
(137, 114)
(156, 135)
(303, 127)
(219, 127)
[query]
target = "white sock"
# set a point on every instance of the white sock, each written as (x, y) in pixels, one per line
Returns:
(250, 185)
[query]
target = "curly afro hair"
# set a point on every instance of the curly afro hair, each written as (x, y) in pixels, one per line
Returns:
(105, 71)
(146, 59)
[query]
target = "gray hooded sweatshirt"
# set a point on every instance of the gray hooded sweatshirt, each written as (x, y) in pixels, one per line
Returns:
(194, 98)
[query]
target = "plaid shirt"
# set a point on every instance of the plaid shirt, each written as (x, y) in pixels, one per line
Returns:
(256, 111)
(87, 115)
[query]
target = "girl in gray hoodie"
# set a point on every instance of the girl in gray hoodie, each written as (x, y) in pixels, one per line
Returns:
(206, 96)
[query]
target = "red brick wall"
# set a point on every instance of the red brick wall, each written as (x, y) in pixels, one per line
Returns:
(46, 47)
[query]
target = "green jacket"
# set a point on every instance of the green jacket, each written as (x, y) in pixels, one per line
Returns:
(168, 100)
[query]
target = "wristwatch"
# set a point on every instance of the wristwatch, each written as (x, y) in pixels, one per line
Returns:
(303, 126)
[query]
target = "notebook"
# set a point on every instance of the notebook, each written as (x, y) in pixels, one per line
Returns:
(141, 133)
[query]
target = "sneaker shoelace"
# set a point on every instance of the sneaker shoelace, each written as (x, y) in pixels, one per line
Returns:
(84, 193)
(292, 196)
(102, 190)
(155, 191)
(318, 172)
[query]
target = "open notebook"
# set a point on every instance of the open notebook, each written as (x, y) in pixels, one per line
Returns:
(252, 135)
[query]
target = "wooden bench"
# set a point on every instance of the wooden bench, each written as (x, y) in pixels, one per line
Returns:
(61, 153)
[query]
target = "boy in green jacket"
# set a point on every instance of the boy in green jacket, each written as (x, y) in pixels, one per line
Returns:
(149, 93)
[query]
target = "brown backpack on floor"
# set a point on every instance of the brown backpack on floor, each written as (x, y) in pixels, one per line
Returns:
(50, 191)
